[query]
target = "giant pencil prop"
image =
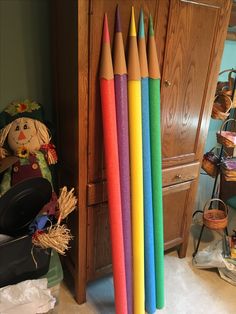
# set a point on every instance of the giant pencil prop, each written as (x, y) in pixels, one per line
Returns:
(149, 257)
(112, 170)
(120, 75)
(155, 122)
(135, 131)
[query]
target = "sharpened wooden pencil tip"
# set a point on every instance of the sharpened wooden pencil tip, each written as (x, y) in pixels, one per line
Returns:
(151, 30)
(153, 65)
(106, 37)
(141, 33)
(118, 23)
(132, 30)
(106, 68)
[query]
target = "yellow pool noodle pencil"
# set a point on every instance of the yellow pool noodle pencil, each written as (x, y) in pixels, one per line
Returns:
(136, 164)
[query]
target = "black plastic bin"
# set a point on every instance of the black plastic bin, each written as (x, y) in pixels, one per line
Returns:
(20, 260)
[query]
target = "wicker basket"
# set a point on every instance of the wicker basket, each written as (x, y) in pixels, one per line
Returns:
(234, 101)
(226, 138)
(210, 163)
(215, 218)
(228, 169)
(221, 107)
(227, 86)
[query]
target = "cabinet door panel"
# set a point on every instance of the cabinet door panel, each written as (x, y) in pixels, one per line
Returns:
(98, 242)
(175, 201)
(188, 58)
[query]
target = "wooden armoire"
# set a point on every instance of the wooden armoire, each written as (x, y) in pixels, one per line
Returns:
(190, 38)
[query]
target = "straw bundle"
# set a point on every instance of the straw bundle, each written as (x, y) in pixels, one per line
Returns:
(56, 237)
(66, 203)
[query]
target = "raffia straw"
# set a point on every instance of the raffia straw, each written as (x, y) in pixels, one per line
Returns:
(51, 159)
(66, 203)
(57, 238)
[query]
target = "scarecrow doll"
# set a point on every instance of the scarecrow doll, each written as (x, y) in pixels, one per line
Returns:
(23, 134)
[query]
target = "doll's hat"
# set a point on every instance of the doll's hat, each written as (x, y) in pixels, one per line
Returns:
(20, 109)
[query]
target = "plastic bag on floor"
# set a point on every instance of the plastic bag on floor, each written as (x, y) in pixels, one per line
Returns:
(210, 257)
(228, 275)
(30, 296)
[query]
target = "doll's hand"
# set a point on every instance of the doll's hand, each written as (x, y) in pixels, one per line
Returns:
(3, 153)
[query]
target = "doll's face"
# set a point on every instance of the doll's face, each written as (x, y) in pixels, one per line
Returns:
(23, 134)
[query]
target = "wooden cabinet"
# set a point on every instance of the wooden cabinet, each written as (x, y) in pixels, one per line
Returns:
(179, 189)
(188, 84)
(98, 250)
(190, 37)
(176, 202)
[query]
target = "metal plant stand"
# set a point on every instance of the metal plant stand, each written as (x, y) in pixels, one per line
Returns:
(215, 184)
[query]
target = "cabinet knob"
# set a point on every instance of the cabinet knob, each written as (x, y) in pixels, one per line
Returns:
(178, 176)
(167, 83)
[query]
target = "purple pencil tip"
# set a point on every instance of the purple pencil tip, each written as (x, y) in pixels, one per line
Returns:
(118, 23)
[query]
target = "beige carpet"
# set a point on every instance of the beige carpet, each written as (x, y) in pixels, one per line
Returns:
(187, 290)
